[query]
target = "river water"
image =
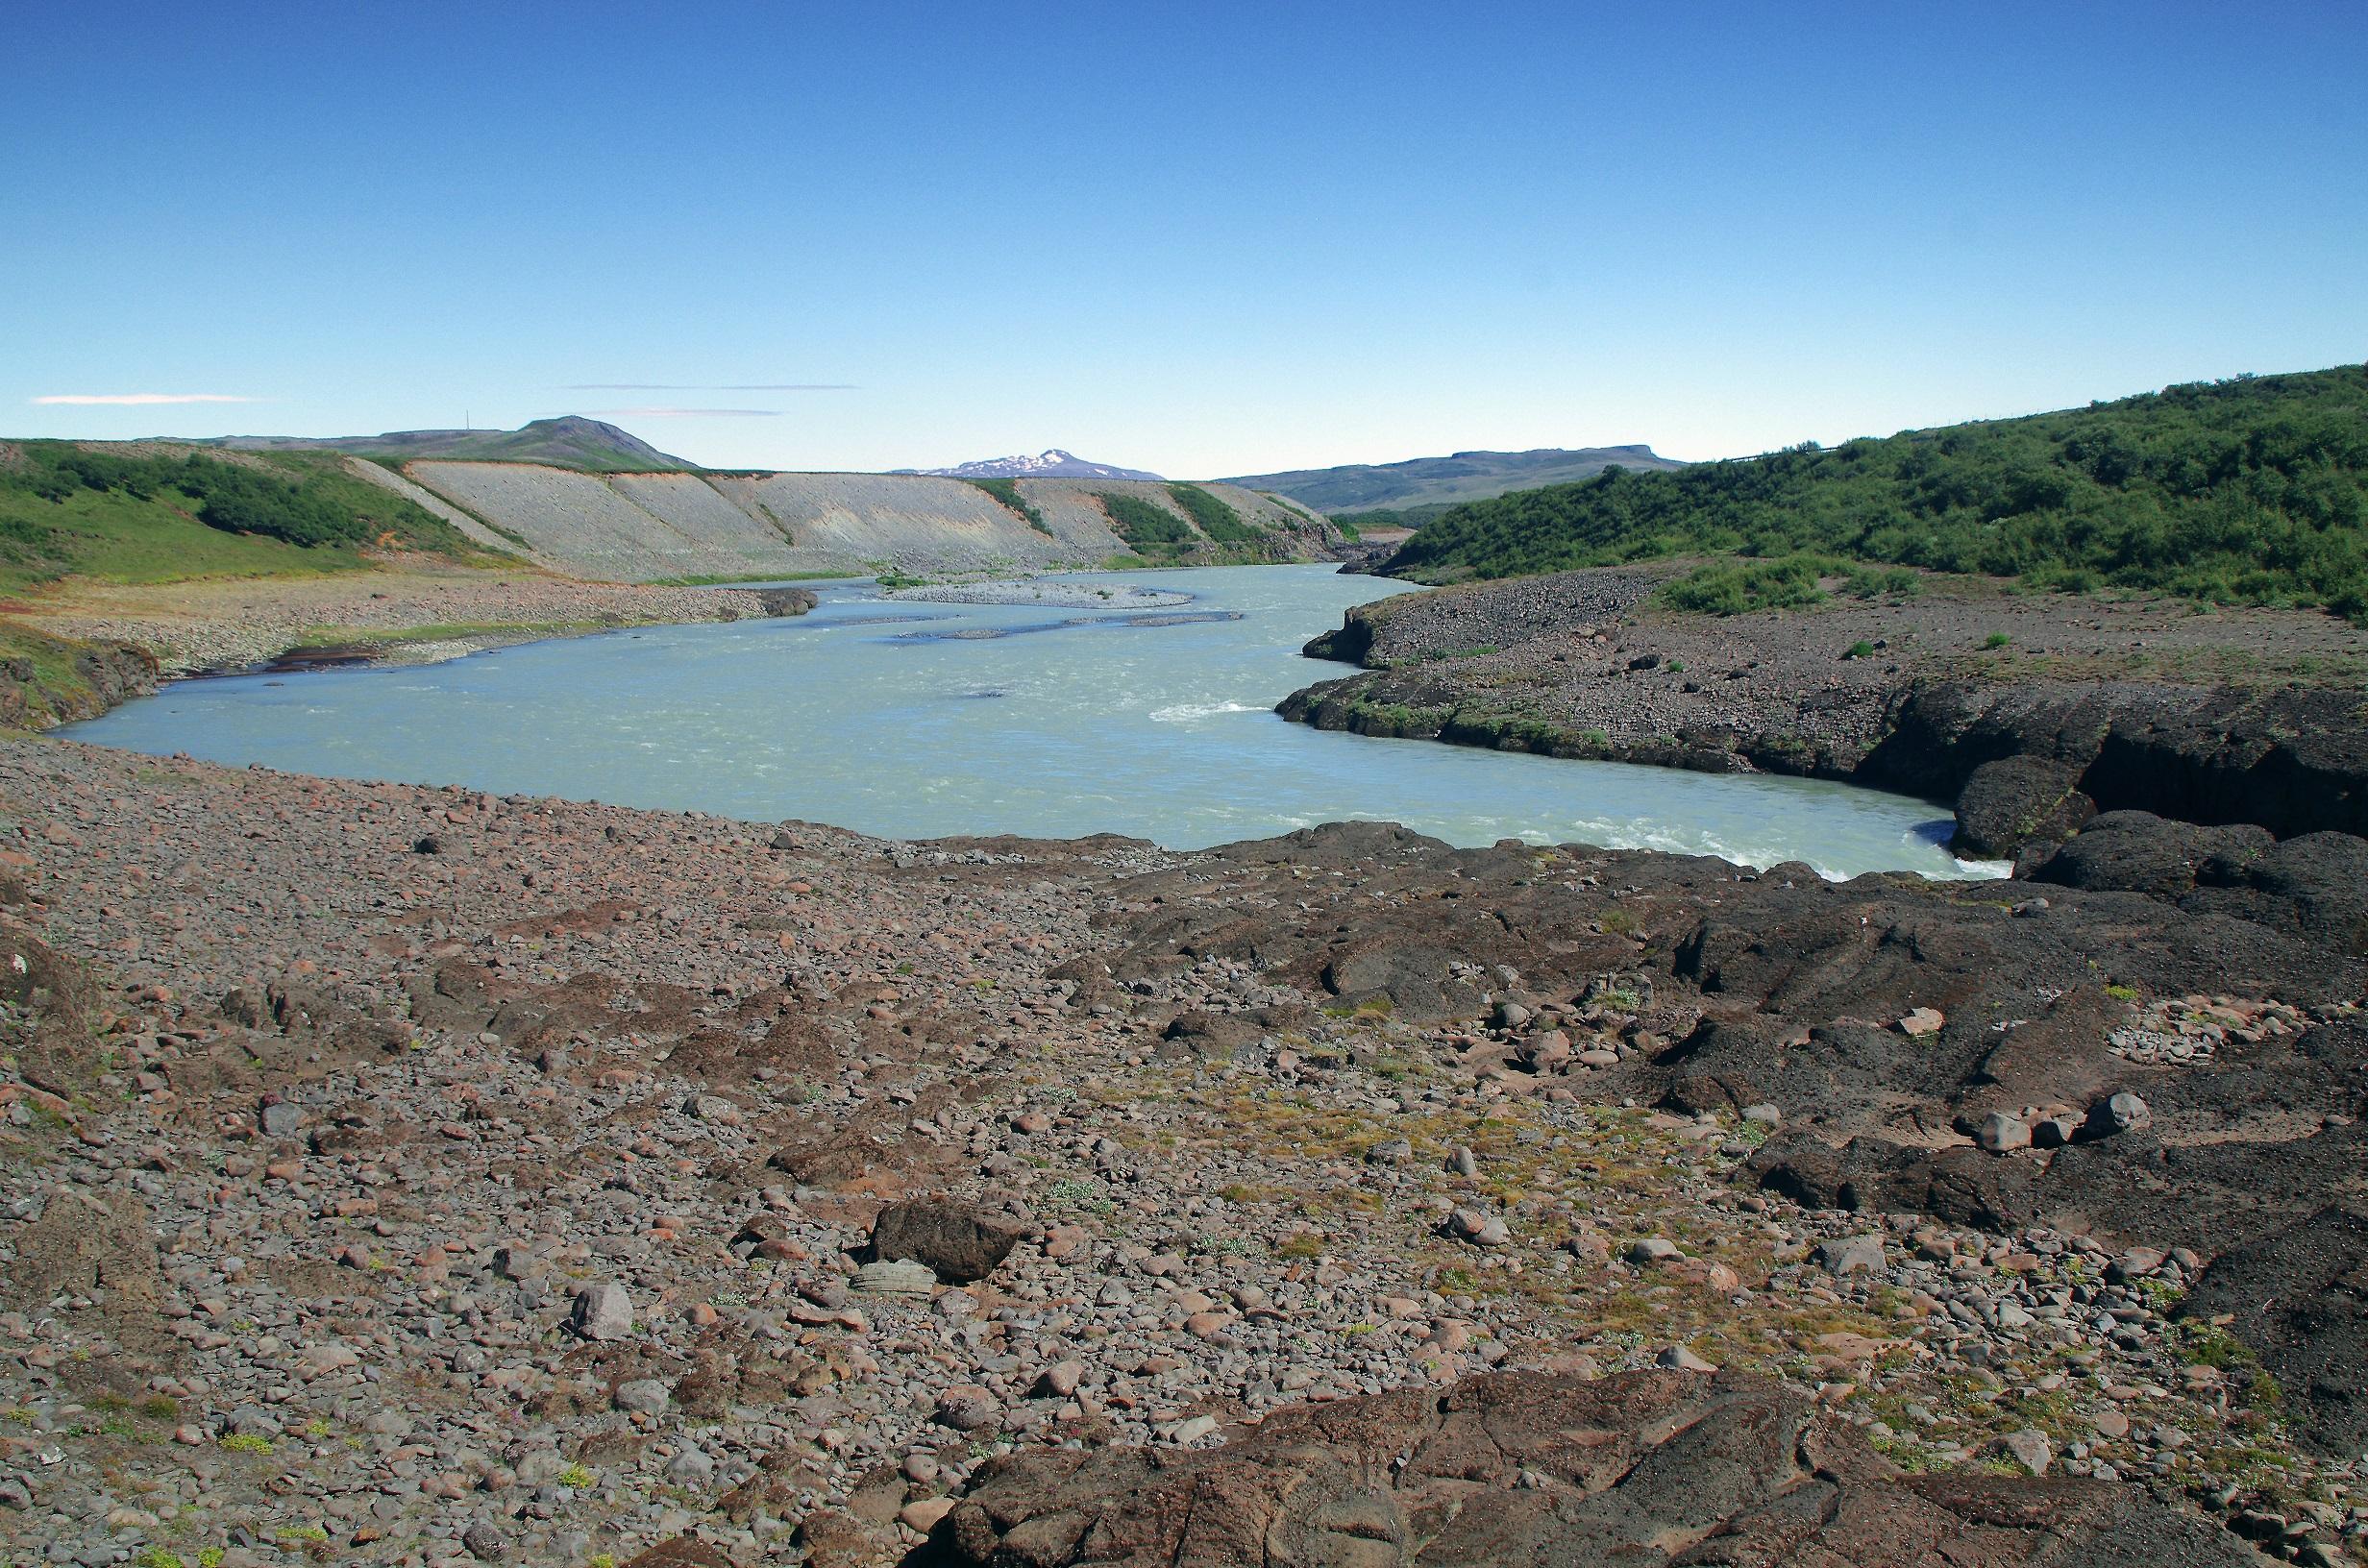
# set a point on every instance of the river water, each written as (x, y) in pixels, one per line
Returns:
(914, 720)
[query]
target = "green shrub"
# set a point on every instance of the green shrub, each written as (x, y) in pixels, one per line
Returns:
(1006, 494)
(1736, 587)
(1211, 515)
(1996, 639)
(1150, 530)
(1861, 650)
(2252, 491)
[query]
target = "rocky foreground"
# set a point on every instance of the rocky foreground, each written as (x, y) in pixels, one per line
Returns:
(402, 1175)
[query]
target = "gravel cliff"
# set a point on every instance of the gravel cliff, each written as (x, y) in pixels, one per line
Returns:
(644, 527)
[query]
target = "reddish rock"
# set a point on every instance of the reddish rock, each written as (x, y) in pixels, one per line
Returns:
(1642, 1468)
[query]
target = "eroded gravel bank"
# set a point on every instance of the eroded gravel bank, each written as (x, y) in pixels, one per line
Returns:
(238, 623)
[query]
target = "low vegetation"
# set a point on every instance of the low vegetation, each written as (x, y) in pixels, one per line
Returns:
(1151, 530)
(160, 515)
(1213, 517)
(1734, 587)
(1006, 495)
(2251, 491)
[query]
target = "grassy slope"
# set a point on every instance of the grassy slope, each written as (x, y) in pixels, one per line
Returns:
(1426, 484)
(570, 441)
(153, 531)
(2252, 491)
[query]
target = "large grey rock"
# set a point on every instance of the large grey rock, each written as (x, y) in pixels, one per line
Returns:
(603, 1311)
(1851, 1254)
(2117, 1113)
(2003, 1133)
(642, 1396)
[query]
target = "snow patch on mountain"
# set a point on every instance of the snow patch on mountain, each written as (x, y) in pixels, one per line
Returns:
(1052, 463)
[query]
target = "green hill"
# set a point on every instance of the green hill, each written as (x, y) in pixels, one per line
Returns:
(1421, 487)
(152, 512)
(571, 441)
(2253, 490)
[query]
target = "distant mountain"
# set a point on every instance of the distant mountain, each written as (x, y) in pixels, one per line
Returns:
(1429, 485)
(570, 441)
(1050, 464)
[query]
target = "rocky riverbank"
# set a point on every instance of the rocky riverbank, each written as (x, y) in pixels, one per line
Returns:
(406, 1175)
(417, 613)
(2030, 712)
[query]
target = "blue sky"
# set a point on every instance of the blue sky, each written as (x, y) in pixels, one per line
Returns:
(1204, 239)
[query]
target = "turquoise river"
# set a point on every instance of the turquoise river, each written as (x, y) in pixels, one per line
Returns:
(912, 720)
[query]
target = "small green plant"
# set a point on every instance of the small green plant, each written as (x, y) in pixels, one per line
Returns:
(160, 1408)
(301, 1536)
(2122, 993)
(246, 1442)
(577, 1479)
(1082, 1195)
(155, 1557)
(1860, 649)
(1996, 639)
(1302, 1246)
(212, 1558)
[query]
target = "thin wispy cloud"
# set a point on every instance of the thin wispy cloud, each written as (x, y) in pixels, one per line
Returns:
(676, 386)
(677, 413)
(142, 399)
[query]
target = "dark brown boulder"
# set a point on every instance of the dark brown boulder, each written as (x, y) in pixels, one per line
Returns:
(953, 1241)
(1529, 1468)
(2020, 800)
(2300, 1296)
(2134, 851)
(59, 995)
